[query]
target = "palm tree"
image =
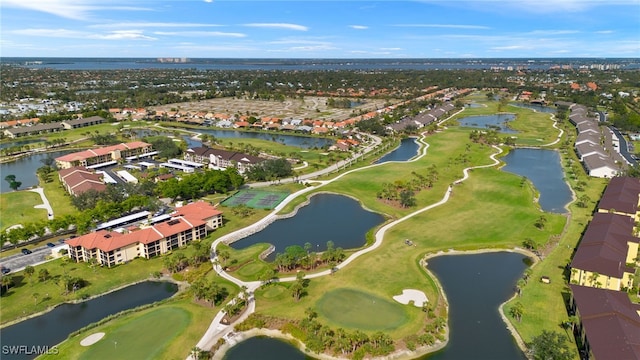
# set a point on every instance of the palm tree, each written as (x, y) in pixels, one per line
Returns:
(28, 271)
(7, 281)
(35, 298)
(520, 285)
(517, 311)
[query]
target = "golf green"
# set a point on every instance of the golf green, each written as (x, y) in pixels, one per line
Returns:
(143, 337)
(360, 310)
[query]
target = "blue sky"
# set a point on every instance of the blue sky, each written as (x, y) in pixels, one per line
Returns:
(320, 29)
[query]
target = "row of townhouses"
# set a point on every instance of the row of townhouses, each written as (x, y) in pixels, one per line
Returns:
(598, 158)
(19, 128)
(602, 268)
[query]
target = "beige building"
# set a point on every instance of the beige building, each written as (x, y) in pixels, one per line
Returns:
(109, 248)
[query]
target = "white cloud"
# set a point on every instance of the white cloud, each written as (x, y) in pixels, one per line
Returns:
(605, 32)
(70, 9)
(358, 27)
(153, 24)
(392, 49)
(73, 34)
(123, 35)
(200, 34)
(446, 26)
(279, 26)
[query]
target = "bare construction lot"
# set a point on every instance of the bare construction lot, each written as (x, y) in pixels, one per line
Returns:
(310, 107)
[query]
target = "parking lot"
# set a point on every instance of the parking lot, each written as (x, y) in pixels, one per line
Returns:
(18, 261)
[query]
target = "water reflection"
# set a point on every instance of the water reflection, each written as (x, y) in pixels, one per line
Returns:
(497, 121)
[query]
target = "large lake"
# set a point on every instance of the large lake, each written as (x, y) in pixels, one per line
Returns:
(55, 326)
(542, 167)
(475, 286)
(327, 217)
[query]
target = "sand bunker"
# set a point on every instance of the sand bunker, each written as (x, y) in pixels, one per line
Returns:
(418, 297)
(92, 339)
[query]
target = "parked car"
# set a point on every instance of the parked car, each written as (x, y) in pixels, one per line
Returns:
(51, 244)
(5, 270)
(26, 251)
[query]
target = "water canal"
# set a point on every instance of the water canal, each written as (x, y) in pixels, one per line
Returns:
(327, 217)
(408, 149)
(54, 326)
(542, 167)
(475, 286)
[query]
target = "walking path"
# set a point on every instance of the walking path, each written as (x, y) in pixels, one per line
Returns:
(45, 201)
(217, 330)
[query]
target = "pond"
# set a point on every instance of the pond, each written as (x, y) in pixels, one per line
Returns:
(349, 223)
(25, 168)
(264, 348)
(54, 326)
(542, 167)
(305, 142)
(475, 286)
(497, 121)
(408, 149)
(19, 143)
(536, 107)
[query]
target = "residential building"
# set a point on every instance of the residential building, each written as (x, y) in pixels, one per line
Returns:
(108, 154)
(622, 196)
(109, 248)
(32, 130)
(607, 253)
(78, 179)
(222, 159)
(82, 122)
(609, 324)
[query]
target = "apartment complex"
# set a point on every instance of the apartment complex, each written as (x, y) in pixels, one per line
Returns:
(109, 248)
(104, 155)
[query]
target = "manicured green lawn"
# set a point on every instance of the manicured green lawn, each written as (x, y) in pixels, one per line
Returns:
(17, 207)
(353, 309)
(144, 337)
(167, 331)
(59, 199)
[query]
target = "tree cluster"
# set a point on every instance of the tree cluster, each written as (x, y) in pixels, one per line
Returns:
(195, 185)
(357, 344)
(404, 191)
(270, 170)
(209, 290)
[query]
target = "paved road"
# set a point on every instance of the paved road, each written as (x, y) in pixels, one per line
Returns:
(624, 146)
